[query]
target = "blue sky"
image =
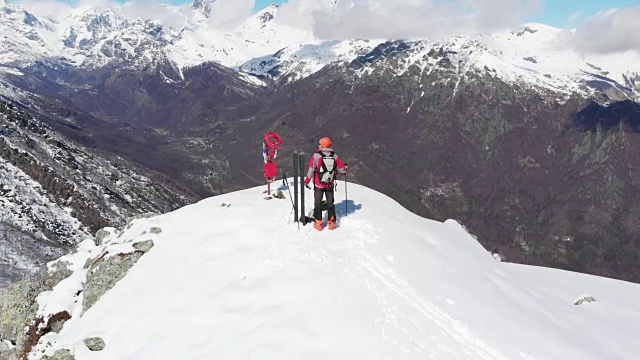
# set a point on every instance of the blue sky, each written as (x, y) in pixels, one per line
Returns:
(262, 3)
(556, 12)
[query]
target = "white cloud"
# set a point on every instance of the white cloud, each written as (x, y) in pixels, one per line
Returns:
(169, 16)
(299, 13)
(224, 13)
(575, 16)
(148, 9)
(404, 18)
(51, 9)
(611, 31)
(227, 14)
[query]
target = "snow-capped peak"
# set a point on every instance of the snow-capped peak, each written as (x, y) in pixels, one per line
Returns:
(88, 28)
(386, 284)
(100, 19)
(268, 13)
(262, 18)
(203, 6)
(262, 45)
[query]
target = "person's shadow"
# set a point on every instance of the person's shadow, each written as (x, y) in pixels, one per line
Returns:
(347, 207)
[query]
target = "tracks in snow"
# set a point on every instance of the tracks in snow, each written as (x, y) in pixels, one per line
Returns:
(409, 321)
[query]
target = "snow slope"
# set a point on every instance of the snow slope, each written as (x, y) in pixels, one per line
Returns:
(222, 282)
(538, 55)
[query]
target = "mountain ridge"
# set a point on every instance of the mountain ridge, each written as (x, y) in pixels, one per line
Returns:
(95, 38)
(391, 283)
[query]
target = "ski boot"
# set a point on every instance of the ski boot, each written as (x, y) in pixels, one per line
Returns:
(318, 225)
(332, 223)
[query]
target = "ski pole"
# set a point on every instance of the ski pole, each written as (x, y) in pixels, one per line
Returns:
(346, 198)
(285, 182)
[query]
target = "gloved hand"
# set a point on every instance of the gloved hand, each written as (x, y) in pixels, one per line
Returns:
(307, 186)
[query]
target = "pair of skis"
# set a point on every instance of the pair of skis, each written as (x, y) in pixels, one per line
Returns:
(299, 165)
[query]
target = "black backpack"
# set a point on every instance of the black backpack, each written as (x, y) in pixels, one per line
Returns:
(327, 167)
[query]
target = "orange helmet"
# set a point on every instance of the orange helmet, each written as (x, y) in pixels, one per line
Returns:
(326, 142)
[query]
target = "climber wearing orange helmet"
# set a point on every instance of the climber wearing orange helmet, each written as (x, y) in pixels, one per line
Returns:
(323, 166)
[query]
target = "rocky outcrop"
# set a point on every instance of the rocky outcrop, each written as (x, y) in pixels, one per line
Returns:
(104, 274)
(95, 343)
(62, 354)
(18, 307)
(22, 325)
(584, 300)
(7, 351)
(144, 246)
(101, 235)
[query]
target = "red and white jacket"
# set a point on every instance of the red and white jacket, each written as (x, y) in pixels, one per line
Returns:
(315, 164)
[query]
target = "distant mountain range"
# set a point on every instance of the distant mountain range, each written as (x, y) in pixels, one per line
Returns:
(529, 144)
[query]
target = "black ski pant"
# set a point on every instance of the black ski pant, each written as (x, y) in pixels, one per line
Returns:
(319, 205)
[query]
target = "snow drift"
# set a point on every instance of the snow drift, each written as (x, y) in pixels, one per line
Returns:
(232, 277)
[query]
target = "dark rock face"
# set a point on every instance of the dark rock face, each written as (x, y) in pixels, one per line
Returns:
(380, 52)
(623, 114)
(56, 193)
(80, 179)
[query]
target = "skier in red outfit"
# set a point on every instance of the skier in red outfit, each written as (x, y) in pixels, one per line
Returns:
(324, 165)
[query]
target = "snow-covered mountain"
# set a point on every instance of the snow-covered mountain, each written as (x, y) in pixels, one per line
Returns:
(258, 36)
(295, 62)
(199, 283)
(188, 96)
(94, 37)
(531, 57)
(90, 38)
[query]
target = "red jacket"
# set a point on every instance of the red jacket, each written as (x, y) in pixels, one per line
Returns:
(315, 164)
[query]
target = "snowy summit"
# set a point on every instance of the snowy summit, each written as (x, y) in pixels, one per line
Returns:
(232, 277)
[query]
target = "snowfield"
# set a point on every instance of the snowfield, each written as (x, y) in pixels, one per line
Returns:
(233, 277)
